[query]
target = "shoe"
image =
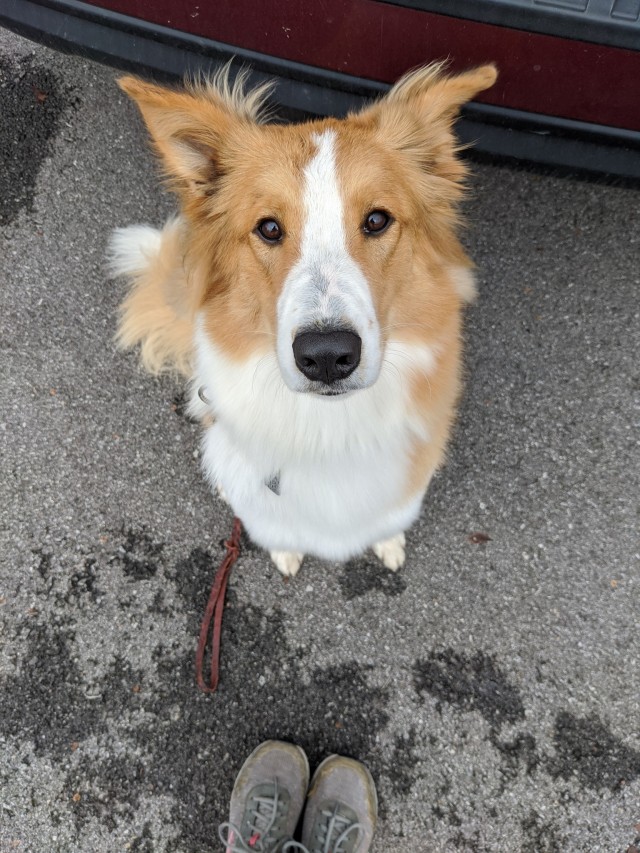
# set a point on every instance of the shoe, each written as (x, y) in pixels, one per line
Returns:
(342, 808)
(267, 799)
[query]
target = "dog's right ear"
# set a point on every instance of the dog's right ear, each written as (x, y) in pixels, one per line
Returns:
(187, 130)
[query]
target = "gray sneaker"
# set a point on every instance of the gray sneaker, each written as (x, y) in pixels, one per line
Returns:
(267, 800)
(342, 808)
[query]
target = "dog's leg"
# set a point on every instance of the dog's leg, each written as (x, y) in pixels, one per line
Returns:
(287, 562)
(391, 551)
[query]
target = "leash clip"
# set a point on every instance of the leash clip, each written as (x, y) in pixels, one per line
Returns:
(203, 396)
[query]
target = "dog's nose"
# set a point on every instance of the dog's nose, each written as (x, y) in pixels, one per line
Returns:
(327, 356)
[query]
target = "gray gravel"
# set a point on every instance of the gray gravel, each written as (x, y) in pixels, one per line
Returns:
(493, 688)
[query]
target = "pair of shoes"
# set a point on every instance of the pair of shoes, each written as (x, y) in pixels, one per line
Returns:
(269, 795)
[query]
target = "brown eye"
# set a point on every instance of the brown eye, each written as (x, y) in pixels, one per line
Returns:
(376, 222)
(270, 230)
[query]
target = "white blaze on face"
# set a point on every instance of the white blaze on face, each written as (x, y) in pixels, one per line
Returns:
(326, 289)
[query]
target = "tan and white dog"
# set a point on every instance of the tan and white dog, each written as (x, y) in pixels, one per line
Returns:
(311, 290)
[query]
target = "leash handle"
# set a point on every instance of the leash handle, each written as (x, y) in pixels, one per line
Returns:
(214, 611)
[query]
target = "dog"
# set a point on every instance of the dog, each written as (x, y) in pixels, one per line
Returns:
(311, 290)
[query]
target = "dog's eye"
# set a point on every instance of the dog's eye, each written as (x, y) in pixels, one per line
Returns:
(270, 230)
(376, 222)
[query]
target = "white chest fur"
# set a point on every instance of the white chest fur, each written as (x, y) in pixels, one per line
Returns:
(341, 463)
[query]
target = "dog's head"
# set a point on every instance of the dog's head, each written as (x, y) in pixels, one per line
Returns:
(316, 241)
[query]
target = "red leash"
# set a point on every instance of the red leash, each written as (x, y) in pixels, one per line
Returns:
(214, 611)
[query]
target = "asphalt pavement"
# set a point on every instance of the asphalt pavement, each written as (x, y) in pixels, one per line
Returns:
(492, 686)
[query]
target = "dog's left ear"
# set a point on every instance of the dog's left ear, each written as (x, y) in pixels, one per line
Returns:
(436, 96)
(417, 115)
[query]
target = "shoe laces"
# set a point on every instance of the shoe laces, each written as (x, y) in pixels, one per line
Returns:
(264, 813)
(336, 831)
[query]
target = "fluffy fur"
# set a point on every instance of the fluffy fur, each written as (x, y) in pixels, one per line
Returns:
(307, 472)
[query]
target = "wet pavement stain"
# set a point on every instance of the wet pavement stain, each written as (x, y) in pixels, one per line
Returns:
(469, 843)
(365, 575)
(32, 101)
(192, 578)
(540, 837)
(84, 581)
(476, 683)
(113, 795)
(401, 769)
(44, 563)
(143, 843)
(519, 753)
(449, 814)
(473, 683)
(139, 555)
(47, 704)
(586, 749)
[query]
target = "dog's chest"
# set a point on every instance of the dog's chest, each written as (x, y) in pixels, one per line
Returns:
(332, 506)
(314, 475)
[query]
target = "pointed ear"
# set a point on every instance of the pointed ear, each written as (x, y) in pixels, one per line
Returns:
(187, 129)
(415, 118)
(437, 96)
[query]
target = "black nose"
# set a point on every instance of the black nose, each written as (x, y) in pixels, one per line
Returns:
(327, 356)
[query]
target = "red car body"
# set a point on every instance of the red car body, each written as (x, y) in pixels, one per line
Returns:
(568, 92)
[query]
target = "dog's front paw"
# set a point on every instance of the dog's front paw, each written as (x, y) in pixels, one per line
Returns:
(287, 562)
(391, 551)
